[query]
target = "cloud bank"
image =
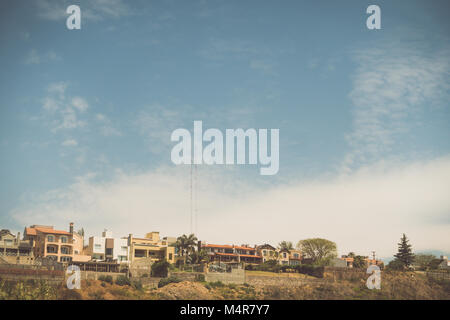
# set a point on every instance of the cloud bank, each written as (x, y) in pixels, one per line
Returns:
(366, 210)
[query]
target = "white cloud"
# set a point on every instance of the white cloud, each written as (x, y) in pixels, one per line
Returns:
(35, 58)
(70, 143)
(80, 104)
(63, 112)
(363, 211)
(390, 87)
(105, 126)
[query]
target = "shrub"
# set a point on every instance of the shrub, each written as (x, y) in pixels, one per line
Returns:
(315, 271)
(123, 281)
(216, 284)
(67, 294)
(138, 285)
(108, 279)
(165, 281)
(200, 277)
(160, 269)
(97, 295)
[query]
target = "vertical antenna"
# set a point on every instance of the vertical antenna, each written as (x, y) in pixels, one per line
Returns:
(190, 227)
(195, 199)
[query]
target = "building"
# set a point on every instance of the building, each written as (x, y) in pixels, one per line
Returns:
(13, 250)
(267, 252)
(107, 248)
(150, 248)
(445, 263)
(290, 257)
(51, 243)
(232, 253)
(58, 245)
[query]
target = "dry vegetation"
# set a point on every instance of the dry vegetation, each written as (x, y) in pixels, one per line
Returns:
(394, 286)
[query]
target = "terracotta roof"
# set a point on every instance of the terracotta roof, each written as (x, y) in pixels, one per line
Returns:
(227, 246)
(32, 231)
(236, 255)
(250, 255)
(244, 248)
(218, 246)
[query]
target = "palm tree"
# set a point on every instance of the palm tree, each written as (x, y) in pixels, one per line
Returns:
(186, 244)
(285, 245)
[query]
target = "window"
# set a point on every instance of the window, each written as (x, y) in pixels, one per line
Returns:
(8, 242)
(64, 239)
(170, 256)
(52, 249)
(66, 259)
(296, 255)
(98, 246)
(50, 238)
(284, 254)
(65, 250)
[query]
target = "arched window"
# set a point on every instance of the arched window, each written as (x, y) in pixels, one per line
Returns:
(51, 238)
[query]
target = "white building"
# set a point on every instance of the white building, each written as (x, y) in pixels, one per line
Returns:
(107, 248)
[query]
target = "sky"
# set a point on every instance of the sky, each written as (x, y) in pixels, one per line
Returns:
(86, 117)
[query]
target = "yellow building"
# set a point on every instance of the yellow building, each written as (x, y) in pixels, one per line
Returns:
(150, 248)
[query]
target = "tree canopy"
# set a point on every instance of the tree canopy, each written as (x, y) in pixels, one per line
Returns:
(319, 250)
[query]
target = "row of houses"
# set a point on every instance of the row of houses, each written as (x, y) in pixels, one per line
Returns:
(42, 241)
(68, 246)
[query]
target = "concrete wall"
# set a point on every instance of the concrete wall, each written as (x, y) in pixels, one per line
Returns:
(262, 281)
(187, 276)
(92, 275)
(236, 276)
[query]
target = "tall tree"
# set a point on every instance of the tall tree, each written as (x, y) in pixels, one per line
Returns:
(186, 244)
(320, 251)
(404, 254)
(285, 245)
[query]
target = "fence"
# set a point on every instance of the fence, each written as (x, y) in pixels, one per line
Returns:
(439, 275)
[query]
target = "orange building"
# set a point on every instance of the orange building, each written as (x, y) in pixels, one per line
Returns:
(232, 253)
(59, 245)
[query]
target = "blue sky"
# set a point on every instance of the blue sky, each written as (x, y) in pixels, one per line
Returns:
(89, 112)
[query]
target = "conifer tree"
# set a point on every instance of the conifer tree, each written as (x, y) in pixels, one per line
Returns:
(404, 254)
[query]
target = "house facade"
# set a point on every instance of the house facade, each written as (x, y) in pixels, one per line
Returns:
(232, 253)
(107, 248)
(58, 245)
(14, 250)
(151, 248)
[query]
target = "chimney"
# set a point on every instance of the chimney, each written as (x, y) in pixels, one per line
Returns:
(71, 227)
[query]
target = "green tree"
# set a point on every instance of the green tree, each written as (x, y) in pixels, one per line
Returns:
(160, 269)
(423, 261)
(285, 245)
(320, 251)
(404, 254)
(197, 257)
(359, 262)
(186, 244)
(395, 264)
